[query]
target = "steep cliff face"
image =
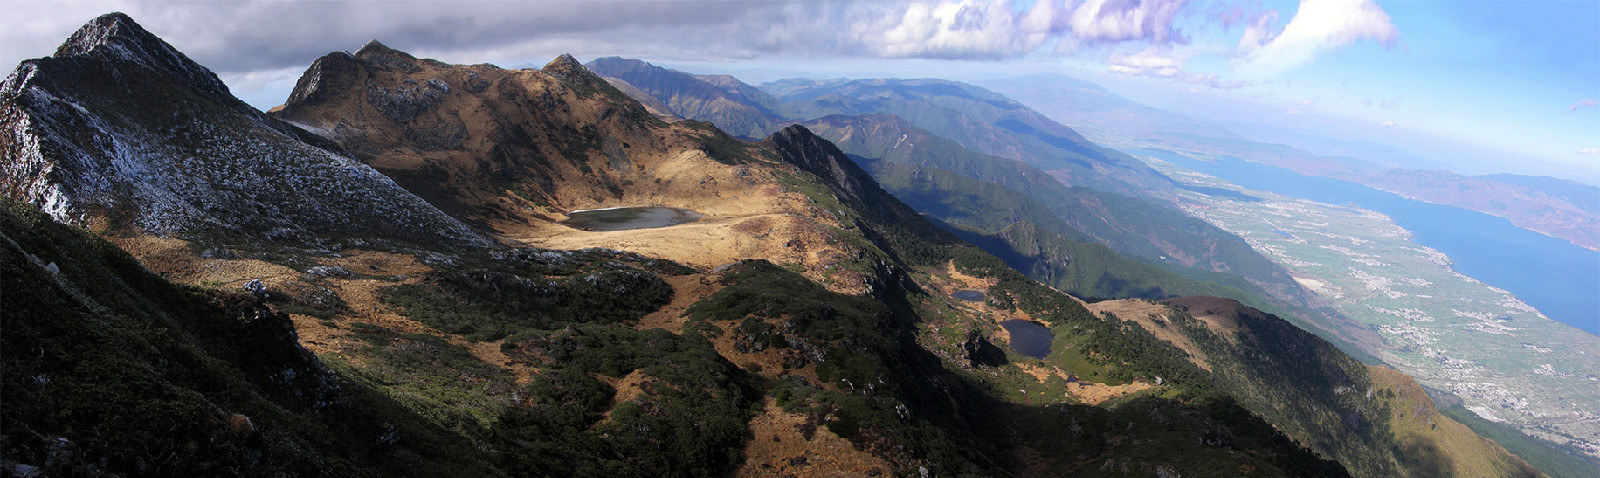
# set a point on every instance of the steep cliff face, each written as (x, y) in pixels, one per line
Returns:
(121, 130)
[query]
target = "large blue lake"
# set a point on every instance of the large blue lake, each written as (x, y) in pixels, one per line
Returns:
(1552, 275)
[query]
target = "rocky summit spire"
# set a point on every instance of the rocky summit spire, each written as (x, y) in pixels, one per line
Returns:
(568, 68)
(116, 37)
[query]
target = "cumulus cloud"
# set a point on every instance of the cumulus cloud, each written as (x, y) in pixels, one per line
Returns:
(1317, 27)
(1122, 20)
(1588, 151)
(1389, 124)
(1583, 103)
(1259, 32)
(1163, 62)
(1151, 61)
(967, 29)
(1002, 29)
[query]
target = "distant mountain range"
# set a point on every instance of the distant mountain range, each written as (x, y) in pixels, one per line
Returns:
(884, 119)
(1554, 207)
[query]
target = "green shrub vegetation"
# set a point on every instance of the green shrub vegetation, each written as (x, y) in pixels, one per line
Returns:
(491, 297)
(109, 369)
(689, 418)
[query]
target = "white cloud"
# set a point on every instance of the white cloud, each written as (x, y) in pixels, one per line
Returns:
(965, 29)
(1258, 33)
(1389, 124)
(1317, 27)
(1588, 151)
(1002, 29)
(1151, 61)
(1305, 102)
(1122, 20)
(1583, 103)
(1166, 62)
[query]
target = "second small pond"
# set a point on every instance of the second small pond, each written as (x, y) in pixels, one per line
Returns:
(1029, 338)
(968, 295)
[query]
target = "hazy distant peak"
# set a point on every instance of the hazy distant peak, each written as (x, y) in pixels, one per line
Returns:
(617, 64)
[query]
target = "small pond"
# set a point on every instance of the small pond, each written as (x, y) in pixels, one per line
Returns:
(625, 218)
(968, 295)
(1028, 337)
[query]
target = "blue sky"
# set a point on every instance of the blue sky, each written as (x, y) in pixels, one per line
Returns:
(1493, 85)
(1506, 75)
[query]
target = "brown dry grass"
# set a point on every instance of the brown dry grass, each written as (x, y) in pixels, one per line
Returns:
(1153, 317)
(706, 243)
(1217, 313)
(768, 363)
(629, 387)
(1098, 393)
(967, 281)
(173, 259)
(1415, 419)
(686, 290)
(365, 303)
(780, 448)
(1089, 392)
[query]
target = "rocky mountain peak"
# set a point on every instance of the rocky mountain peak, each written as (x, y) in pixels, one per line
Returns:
(373, 47)
(116, 37)
(108, 29)
(328, 73)
(565, 62)
(800, 147)
(381, 55)
(569, 69)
